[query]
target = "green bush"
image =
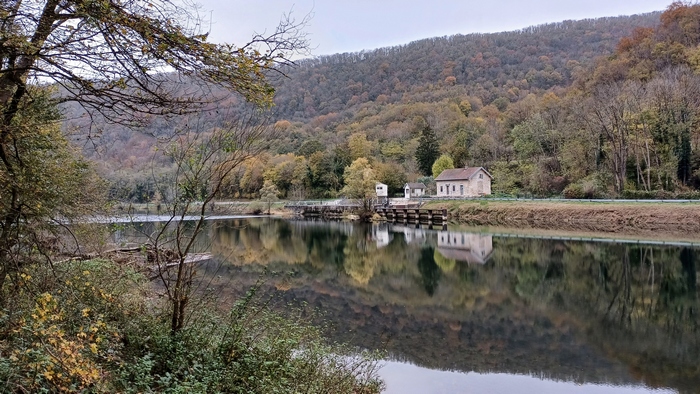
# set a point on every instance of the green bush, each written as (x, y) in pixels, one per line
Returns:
(689, 195)
(257, 207)
(590, 187)
(660, 195)
(573, 191)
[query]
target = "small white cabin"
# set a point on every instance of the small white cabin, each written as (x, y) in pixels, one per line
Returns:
(382, 190)
(413, 190)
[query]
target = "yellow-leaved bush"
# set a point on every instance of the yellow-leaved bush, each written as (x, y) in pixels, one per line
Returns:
(62, 342)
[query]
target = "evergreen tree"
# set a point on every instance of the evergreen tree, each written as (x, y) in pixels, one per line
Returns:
(428, 151)
(684, 152)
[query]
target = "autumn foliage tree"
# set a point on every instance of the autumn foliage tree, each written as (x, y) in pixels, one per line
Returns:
(268, 194)
(360, 182)
(443, 163)
(102, 52)
(43, 181)
(122, 61)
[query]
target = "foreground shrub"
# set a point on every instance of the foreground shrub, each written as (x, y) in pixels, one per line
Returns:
(95, 327)
(65, 338)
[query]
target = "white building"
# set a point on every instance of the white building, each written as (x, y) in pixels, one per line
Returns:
(464, 182)
(382, 191)
(413, 190)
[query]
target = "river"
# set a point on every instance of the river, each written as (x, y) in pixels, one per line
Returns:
(461, 310)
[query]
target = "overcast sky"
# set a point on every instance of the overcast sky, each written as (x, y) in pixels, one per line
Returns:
(353, 25)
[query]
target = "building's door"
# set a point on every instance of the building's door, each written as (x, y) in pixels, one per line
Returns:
(448, 189)
(461, 190)
(480, 187)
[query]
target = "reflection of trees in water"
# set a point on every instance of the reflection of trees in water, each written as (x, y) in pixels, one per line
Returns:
(688, 258)
(543, 301)
(639, 303)
(258, 241)
(430, 272)
(445, 264)
(360, 257)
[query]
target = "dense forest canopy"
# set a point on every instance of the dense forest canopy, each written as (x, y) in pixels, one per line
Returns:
(488, 65)
(591, 108)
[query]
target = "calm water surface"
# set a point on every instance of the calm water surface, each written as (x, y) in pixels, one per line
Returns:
(465, 312)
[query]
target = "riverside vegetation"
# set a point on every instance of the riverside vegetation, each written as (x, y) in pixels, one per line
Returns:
(638, 219)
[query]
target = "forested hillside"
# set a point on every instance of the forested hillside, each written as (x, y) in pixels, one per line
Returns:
(486, 66)
(604, 107)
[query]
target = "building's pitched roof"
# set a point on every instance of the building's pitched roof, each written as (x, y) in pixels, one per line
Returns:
(457, 174)
(379, 184)
(415, 185)
(466, 255)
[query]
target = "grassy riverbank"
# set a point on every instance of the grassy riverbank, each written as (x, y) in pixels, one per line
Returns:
(633, 218)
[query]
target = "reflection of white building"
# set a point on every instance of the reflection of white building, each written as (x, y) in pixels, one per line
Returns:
(411, 234)
(472, 248)
(380, 234)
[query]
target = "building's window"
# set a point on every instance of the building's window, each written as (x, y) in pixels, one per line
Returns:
(481, 176)
(440, 189)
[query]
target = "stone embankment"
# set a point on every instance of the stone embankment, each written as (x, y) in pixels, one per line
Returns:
(650, 219)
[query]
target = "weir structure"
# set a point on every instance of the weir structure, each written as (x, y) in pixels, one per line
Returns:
(436, 216)
(393, 214)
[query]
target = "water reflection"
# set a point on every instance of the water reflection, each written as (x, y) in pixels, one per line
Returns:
(591, 314)
(405, 378)
(465, 247)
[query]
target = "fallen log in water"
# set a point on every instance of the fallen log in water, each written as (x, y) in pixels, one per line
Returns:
(189, 259)
(169, 257)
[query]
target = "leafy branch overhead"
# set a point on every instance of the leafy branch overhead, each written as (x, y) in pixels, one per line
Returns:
(123, 60)
(121, 57)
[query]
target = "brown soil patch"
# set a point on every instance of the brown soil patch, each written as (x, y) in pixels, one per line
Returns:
(652, 220)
